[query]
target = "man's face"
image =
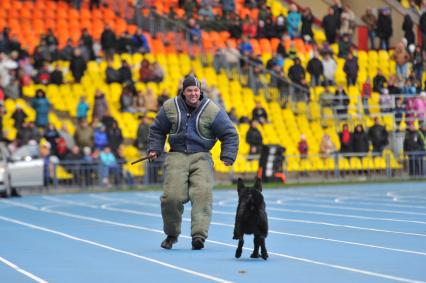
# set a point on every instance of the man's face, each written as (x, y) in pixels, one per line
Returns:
(192, 95)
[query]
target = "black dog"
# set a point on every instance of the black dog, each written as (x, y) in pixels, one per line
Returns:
(251, 218)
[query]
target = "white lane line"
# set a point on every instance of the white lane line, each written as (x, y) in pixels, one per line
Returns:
(129, 211)
(20, 270)
(298, 221)
(335, 266)
(269, 207)
(171, 266)
(283, 202)
(307, 204)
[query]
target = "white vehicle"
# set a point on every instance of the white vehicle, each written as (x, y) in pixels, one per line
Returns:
(23, 168)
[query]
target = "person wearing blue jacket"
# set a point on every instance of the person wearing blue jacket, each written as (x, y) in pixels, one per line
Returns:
(42, 107)
(193, 124)
(294, 22)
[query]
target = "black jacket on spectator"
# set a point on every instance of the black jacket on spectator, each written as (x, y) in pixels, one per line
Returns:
(413, 142)
(407, 27)
(108, 40)
(379, 137)
(307, 26)
(296, 73)
(115, 139)
(281, 50)
(56, 77)
(341, 102)
(112, 75)
(78, 67)
(19, 117)
(125, 74)
(254, 137)
(360, 143)
(315, 67)
(330, 26)
(378, 83)
(384, 26)
(351, 67)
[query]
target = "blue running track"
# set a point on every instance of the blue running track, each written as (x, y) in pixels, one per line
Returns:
(331, 234)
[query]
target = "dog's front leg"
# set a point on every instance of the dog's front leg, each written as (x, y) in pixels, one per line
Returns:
(255, 253)
(240, 248)
(263, 251)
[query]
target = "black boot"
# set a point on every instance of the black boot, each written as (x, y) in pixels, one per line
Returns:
(197, 243)
(168, 242)
(14, 193)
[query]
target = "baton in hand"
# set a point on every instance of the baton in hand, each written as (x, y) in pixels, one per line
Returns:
(140, 160)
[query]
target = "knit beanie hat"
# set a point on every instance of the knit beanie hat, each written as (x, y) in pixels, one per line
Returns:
(191, 81)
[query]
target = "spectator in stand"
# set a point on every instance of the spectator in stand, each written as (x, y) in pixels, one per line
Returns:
(371, 20)
(330, 67)
(399, 112)
(140, 42)
(125, 43)
(51, 135)
(141, 141)
(18, 116)
(68, 51)
(345, 138)
(100, 106)
(67, 137)
(125, 72)
(115, 138)
(330, 25)
(259, 113)
(360, 143)
(379, 81)
(307, 22)
(108, 40)
(82, 108)
(83, 135)
(414, 147)
(85, 52)
(327, 147)
(294, 22)
(378, 136)
(417, 62)
(157, 72)
(42, 107)
(365, 95)
(109, 165)
(126, 100)
(347, 22)
(407, 27)
(420, 107)
(77, 66)
(280, 27)
(351, 69)
(384, 28)
(248, 28)
(315, 69)
(56, 77)
(345, 45)
(111, 75)
(145, 71)
(43, 75)
(231, 58)
(296, 73)
(281, 49)
(303, 147)
(254, 138)
(401, 58)
(87, 40)
(341, 102)
(100, 137)
(422, 26)
(386, 101)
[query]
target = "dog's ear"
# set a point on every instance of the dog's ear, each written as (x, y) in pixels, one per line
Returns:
(258, 184)
(240, 185)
